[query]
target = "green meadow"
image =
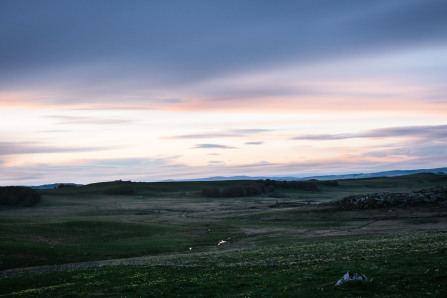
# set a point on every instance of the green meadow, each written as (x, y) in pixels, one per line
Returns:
(163, 240)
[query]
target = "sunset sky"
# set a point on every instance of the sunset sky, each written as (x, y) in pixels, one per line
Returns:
(150, 90)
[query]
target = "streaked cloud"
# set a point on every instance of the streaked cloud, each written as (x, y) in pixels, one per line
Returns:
(112, 89)
(429, 132)
(12, 148)
(83, 171)
(417, 149)
(206, 34)
(212, 146)
(88, 120)
(222, 134)
(104, 59)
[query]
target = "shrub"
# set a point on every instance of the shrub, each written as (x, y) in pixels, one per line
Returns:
(271, 185)
(270, 188)
(232, 191)
(66, 185)
(330, 183)
(212, 192)
(119, 190)
(304, 185)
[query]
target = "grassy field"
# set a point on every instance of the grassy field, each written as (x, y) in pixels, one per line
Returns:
(162, 240)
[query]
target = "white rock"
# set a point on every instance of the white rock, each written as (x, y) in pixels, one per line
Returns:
(351, 276)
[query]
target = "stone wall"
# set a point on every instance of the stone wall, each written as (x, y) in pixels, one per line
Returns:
(387, 200)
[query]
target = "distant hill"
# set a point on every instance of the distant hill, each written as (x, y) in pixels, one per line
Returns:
(53, 186)
(381, 174)
(327, 177)
(286, 178)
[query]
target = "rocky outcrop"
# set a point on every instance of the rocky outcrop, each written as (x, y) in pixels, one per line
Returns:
(387, 200)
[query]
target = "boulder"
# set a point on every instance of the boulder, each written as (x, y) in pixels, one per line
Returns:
(350, 277)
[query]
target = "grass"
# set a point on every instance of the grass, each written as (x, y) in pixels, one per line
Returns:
(55, 242)
(402, 266)
(86, 243)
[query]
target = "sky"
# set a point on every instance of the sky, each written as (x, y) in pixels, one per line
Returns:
(102, 90)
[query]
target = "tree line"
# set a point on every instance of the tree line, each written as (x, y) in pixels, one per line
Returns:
(262, 187)
(119, 190)
(19, 196)
(232, 191)
(309, 185)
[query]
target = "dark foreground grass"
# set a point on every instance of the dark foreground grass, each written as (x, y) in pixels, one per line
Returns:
(405, 265)
(47, 242)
